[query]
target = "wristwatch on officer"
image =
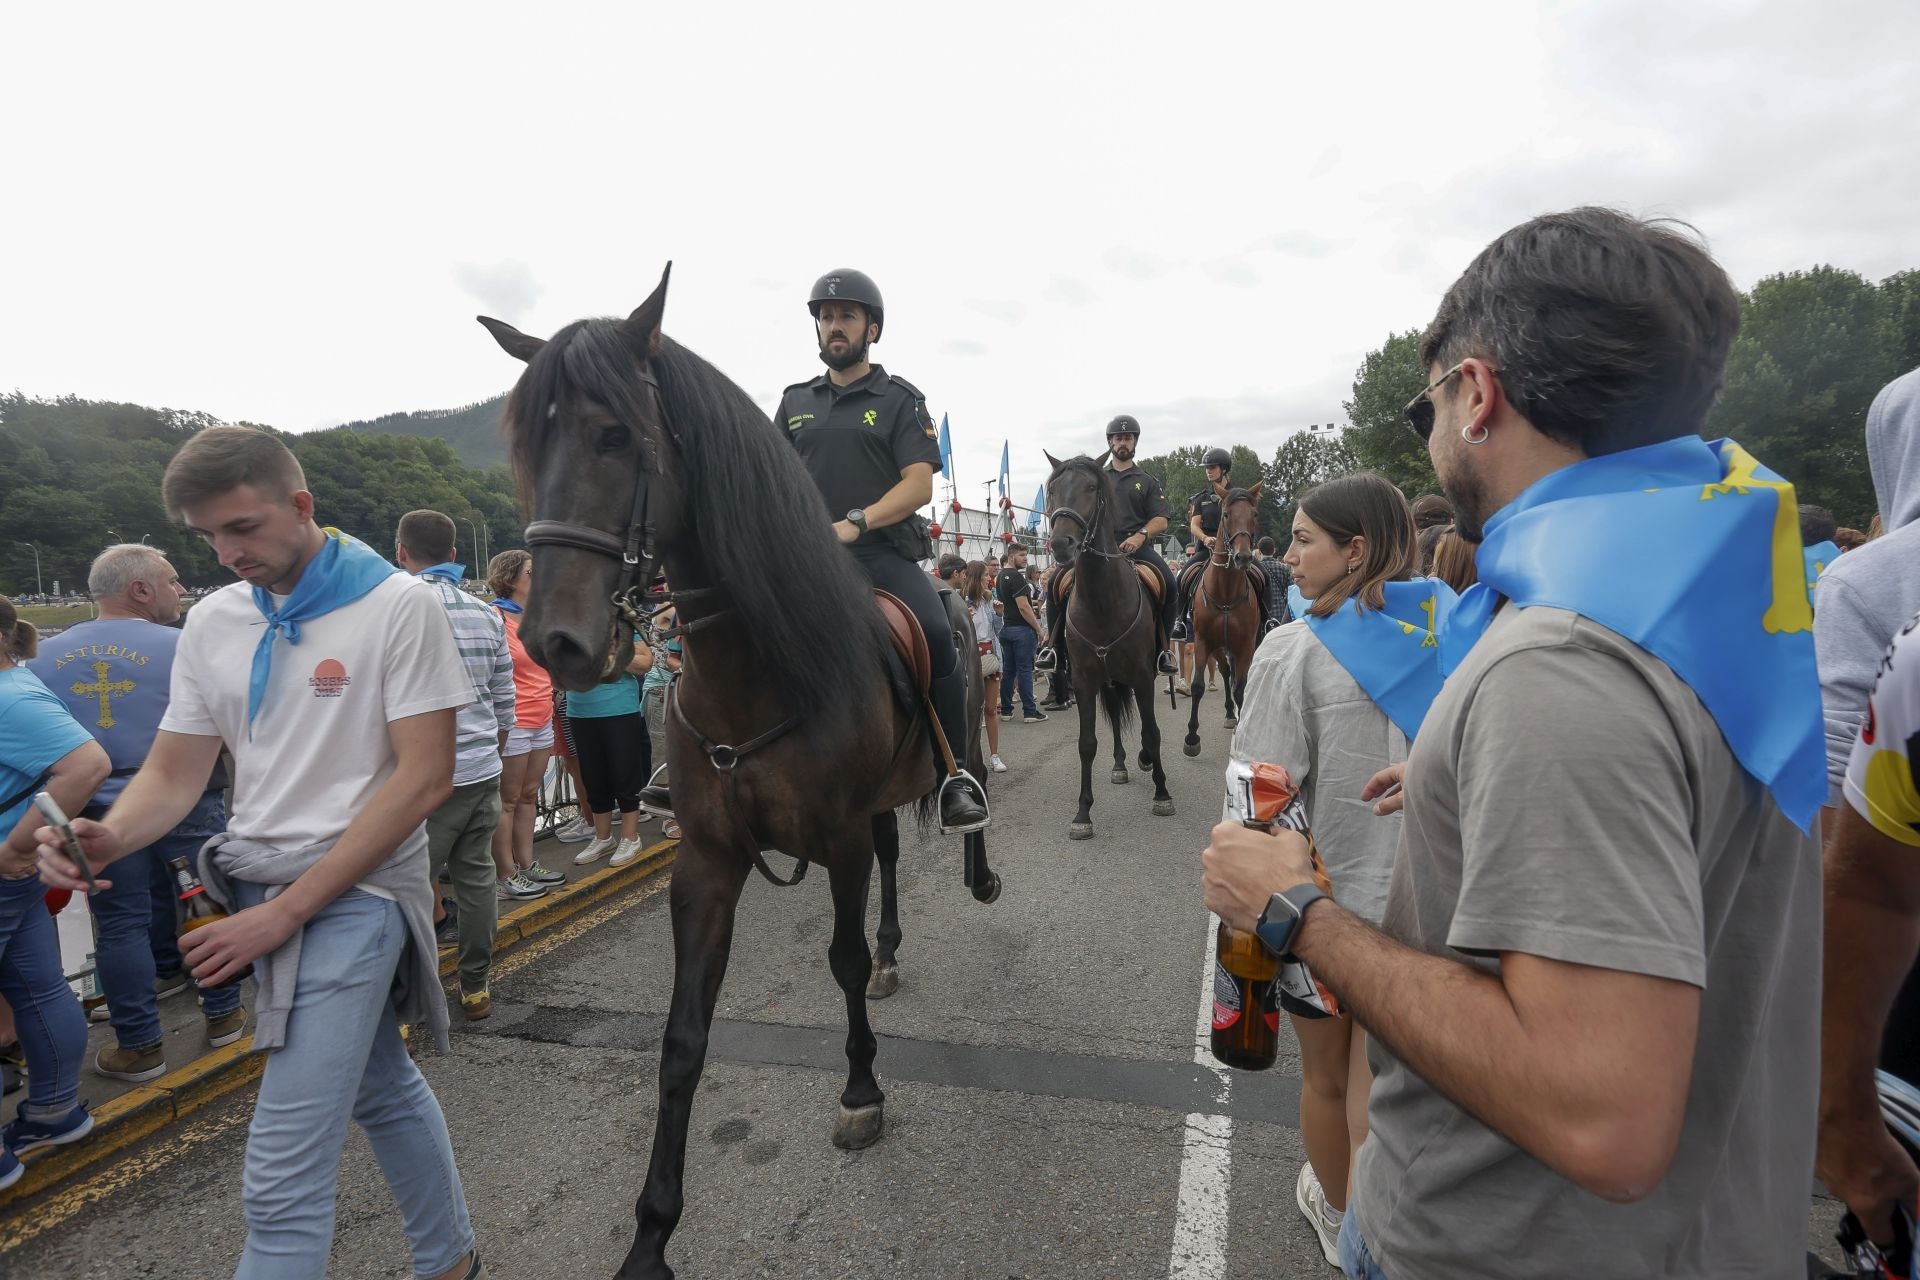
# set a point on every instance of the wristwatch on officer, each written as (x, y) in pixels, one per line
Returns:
(1280, 923)
(858, 519)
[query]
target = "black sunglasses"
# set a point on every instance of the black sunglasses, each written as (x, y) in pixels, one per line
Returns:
(1419, 410)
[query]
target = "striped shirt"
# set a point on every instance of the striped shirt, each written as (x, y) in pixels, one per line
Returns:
(482, 643)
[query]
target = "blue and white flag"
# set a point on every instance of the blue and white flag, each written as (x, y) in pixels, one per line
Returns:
(1039, 505)
(1003, 469)
(946, 449)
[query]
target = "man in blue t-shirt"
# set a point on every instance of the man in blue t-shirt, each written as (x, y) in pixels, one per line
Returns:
(112, 674)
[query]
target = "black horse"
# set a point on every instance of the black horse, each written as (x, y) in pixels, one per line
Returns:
(1112, 642)
(789, 727)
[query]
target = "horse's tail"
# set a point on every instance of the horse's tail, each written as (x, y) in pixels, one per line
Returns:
(1117, 701)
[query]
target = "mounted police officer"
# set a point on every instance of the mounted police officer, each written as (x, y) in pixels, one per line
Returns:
(1203, 522)
(868, 441)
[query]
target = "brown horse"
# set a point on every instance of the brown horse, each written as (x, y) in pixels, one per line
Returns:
(1112, 639)
(788, 728)
(1226, 611)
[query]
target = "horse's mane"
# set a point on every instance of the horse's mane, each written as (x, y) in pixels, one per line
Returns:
(754, 515)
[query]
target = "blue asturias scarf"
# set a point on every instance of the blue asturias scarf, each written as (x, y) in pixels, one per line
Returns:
(505, 605)
(1692, 551)
(341, 573)
(1393, 653)
(1819, 556)
(454, 573)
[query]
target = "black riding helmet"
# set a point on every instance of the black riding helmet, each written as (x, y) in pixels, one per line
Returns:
(848, 285)
(1218, 457)
(1124, 425)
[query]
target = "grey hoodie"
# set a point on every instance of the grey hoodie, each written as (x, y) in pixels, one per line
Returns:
(1870, 592)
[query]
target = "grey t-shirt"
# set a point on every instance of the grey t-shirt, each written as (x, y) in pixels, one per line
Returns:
(1568, 797)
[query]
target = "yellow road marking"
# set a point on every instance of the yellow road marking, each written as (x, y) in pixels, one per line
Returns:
(592, 918)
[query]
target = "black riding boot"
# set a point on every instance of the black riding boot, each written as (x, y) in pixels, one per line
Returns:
(963, 801)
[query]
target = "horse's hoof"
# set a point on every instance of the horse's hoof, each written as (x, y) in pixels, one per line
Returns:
(1146, 761)
(1080, 831)
(884, 982)
(1163, 808)
(1190, 747)
(990, 891)
(1232, 722)
(1118, 778)
(857, 1127)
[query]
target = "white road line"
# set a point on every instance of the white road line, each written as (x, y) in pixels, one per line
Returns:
(1206, 1157)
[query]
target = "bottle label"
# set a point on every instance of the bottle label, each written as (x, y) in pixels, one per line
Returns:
(1226, 998)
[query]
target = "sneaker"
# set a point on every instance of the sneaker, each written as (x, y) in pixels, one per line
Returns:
(99, 1012)
(1034, 716)
(170, 984)
(447, 931)
(11, 1170)
(135, 1066)
(545, 875)
(641, 815)
(23, 1134)
(476, 1006)
(997, 764)
(574, 832)
(519, 888)
(626, 851)
(225, 1029)
(598, 849)
(1312, 1199)
(1006, 717)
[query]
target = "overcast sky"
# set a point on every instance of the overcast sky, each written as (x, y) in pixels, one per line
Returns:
(1204, 215)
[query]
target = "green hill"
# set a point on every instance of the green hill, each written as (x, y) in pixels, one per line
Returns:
(472, 430)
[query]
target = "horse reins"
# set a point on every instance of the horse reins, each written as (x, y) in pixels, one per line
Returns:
(1087, 530)
(1215, 558)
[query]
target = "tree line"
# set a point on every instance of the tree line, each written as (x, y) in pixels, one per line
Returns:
(1814, 348)
(77, 475)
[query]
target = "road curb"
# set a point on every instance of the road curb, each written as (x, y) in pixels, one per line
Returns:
(140, 1113)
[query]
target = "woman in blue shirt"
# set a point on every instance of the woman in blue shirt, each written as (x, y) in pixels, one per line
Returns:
(42, 747)
(610, 740)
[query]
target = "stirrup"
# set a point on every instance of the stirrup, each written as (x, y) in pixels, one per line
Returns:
(653, 784)
(1271, 624)
(1180, 631)
(978, 792)
(1166, 666)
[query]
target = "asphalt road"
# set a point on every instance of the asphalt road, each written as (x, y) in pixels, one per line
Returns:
(1039, 1062)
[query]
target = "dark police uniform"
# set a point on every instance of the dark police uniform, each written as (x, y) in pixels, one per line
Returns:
(855, 441)
(1140, 501)
(1206, 505)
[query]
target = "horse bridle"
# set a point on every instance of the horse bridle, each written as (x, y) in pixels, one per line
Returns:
(1217, 557)
(635, 549)
(1089, 527)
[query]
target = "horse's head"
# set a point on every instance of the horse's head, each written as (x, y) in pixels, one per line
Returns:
(597, 465)
(1240, 523)
(1078, 496)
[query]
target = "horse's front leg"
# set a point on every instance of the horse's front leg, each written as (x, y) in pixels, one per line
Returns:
(1196, 690)
(704, 893)
(1150, 746)
(1087, 694)
(859, 1122)
(886, 850)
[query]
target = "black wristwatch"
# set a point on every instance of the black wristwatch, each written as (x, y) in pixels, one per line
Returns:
(1279, 924)
(858, 519)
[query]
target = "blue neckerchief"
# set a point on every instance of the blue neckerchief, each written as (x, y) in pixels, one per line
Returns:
(1819, 556)
(1392, 654)
(341, 573)
(505, 605)
(1692, 551)
(454, 573)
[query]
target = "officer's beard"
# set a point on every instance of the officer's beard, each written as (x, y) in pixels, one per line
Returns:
(847, 359)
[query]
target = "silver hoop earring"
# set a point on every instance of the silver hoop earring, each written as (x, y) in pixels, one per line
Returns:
(1466, 433)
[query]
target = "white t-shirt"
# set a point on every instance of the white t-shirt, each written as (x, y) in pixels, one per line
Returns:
(1883, 777)
(319, 749)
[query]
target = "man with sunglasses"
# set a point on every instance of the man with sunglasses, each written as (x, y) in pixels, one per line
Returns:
(1593, 1002)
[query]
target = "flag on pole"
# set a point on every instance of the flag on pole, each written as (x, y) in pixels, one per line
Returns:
(946, 449)
(1003, 469)
(1039, 505)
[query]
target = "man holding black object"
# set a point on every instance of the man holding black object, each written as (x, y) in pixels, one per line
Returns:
(1593, 999)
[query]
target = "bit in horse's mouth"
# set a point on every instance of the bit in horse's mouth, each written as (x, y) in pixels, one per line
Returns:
(613, 648)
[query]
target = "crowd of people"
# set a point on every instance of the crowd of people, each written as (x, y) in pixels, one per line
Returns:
(1569, 737)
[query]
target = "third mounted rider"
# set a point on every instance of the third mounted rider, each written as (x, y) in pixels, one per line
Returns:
(1203, 522)
(867, 439)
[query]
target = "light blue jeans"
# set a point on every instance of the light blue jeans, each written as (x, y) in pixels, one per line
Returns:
(46, 1016)
(344, 1056)
(1356, 1260)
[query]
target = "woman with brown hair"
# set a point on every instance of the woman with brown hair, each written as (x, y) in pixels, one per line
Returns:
(523, 764)
(1453, 561)
(1335, 697)
(979, 601)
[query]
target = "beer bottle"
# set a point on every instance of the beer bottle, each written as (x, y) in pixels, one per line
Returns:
(198, 909)
(1246, 1012)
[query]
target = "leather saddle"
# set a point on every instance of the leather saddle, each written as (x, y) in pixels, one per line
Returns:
(1190, 578)
(909, 641)
(1149, 577)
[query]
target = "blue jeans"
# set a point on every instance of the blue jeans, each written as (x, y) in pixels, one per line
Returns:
(1017, 643)
(1355, 1258)
(344, 1057)
(137, 927)
(46, 1014)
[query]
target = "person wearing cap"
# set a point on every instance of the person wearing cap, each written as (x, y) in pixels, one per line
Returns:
(870, 444)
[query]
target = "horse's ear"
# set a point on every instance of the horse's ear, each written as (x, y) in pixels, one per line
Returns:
(515, 343)
(641, 330)
(1254, 492)
(1051, 460)
(1101, 461)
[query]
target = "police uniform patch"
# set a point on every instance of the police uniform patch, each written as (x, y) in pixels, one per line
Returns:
(926, 420)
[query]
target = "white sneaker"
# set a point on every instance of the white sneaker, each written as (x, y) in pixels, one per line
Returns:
(626, 852)
(519, 887)
(998, 765)
(597, 848)
(574, 832)
(1312, 1199)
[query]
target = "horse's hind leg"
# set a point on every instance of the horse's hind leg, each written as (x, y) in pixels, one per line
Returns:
(981, 878)
(1119, 775)
(704, 893)
(1229, 687)
(886, 849)
(1196, 690)
(1150, 743)
(859, 1121)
